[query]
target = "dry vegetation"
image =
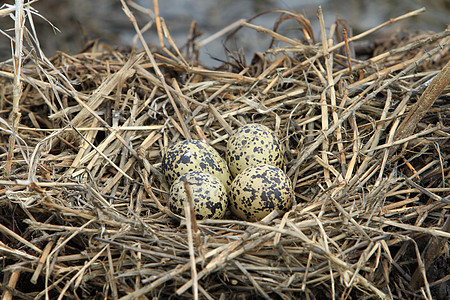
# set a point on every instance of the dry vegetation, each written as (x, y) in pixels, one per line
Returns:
(82, 199)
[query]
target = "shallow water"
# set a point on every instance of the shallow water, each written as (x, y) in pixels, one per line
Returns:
(105, 20)
(361, 15)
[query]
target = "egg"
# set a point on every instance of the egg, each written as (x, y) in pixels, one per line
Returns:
(258, 190)
(250, 145)
(194, 155)
(208, 194)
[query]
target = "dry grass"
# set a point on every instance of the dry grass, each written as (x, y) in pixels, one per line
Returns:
(82, 199)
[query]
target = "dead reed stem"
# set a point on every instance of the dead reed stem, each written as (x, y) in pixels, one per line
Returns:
(17, 83)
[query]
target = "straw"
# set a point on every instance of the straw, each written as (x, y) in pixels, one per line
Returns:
(83, 199)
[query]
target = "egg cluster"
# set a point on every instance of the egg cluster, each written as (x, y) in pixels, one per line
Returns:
(254, 159)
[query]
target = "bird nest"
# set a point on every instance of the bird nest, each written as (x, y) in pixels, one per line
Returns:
(366, 138)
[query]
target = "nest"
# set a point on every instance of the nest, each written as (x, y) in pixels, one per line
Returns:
(366, 138)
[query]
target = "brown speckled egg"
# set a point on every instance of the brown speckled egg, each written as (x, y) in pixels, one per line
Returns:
(253, 144)
(194, 155)
(208, 193)
(258, 190)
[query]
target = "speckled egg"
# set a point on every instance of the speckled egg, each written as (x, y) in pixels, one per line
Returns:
(208, 193)
(194, 155)
(258, 190)
(253, 144)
